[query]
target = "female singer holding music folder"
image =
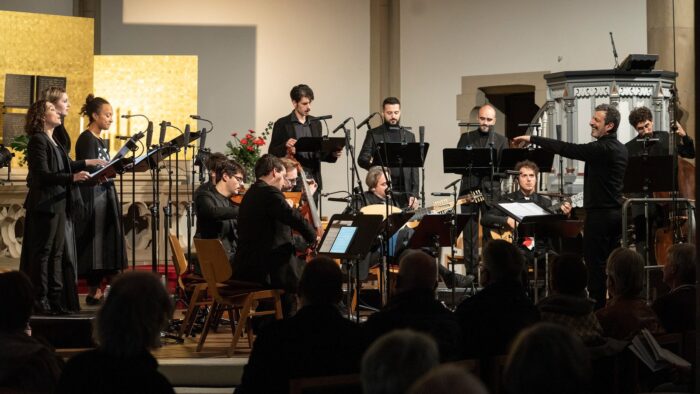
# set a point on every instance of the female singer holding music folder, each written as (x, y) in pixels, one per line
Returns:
(58, 96)
(102, 252)
(50, 179)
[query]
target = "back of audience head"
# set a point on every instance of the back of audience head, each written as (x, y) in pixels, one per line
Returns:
(16, 300)
(417, 270)
(448, 379)
(321, 282)
(501, 262)
(680, 267)
(625, 270)
(568, 275)
(546, 358)
(396, 360)
(132, 317)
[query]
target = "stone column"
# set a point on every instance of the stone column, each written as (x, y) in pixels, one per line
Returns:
(385, 51)
(660, 40)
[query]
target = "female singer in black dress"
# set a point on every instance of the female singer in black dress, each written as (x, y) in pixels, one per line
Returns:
(50, 178)
(102, 251)
(57, 96)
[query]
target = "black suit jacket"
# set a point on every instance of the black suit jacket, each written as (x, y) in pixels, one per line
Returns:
(482, 180)
(283, 130)
(216, 218)
(265, 223)
(420, 311)
(492, 318)
(317, 341)
(382, 134)
(686, 147)
(48, 186)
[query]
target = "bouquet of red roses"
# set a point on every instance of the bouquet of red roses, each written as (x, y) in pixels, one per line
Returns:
(247, 150)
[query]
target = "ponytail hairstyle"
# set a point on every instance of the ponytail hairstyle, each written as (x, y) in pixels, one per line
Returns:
(93, 105)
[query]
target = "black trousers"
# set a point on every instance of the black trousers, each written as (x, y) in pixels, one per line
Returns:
(601, 235)
(42, 253)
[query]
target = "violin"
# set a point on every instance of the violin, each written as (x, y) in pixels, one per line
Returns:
(238, 197)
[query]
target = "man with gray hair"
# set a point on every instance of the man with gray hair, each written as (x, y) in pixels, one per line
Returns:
(396, 360)
(414, 306)
(676, 310)
(604, 173)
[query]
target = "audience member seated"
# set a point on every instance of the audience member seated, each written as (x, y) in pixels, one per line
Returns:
(569, 304)
(448, 379)
(396, 360)
(626, 312)
(414, 306)
(26, 365)
(317, 341)
(494, 316)
(676, 310)
(127, 327)
(547, 358)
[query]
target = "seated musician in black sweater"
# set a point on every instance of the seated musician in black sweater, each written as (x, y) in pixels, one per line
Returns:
(527, 182)
(377, 194)
(216, 214)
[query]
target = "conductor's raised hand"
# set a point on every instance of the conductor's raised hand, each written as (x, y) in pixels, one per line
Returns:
(522, 140)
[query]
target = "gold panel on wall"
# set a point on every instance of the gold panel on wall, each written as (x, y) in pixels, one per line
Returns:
(160, 87)
(51, 45)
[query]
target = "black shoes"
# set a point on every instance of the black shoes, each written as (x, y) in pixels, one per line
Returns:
(46, 308)
(90, 300)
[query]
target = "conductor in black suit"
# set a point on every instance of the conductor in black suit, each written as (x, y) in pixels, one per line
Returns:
(405, 181)
(50, 180)
(483, 137)
(288, 129)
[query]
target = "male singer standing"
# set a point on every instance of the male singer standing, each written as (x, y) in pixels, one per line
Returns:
(483, 137)
(289, 128)
(405, 181)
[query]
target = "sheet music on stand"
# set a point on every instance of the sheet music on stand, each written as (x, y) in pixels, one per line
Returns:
(522, 210)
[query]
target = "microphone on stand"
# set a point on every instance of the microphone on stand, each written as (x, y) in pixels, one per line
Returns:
(340, 126)
(340, 199)
(186, 136)
(367, 119)
(322, 117)
(421, 135)
(440, 194)
(149, 134)
(163, 126)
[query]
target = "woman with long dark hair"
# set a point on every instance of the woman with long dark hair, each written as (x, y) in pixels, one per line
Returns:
(102, 251)
(58, 96)
(50, 179)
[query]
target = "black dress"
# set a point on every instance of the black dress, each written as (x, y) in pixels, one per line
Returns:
(98, 232)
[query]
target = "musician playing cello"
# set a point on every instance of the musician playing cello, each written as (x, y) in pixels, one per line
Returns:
(265, 221)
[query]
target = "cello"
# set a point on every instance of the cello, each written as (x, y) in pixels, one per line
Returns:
(308, 210)
(677, 228)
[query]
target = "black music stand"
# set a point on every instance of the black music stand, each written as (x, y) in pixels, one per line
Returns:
(441, 230)
(533, 221)
(350, 237)
(466, 161)
(398, 154)
(512, 156)
(321, 145)
(648, 174)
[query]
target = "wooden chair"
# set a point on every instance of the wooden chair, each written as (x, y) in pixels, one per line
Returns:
(229, 295)
(326, 384)
(186, 285)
